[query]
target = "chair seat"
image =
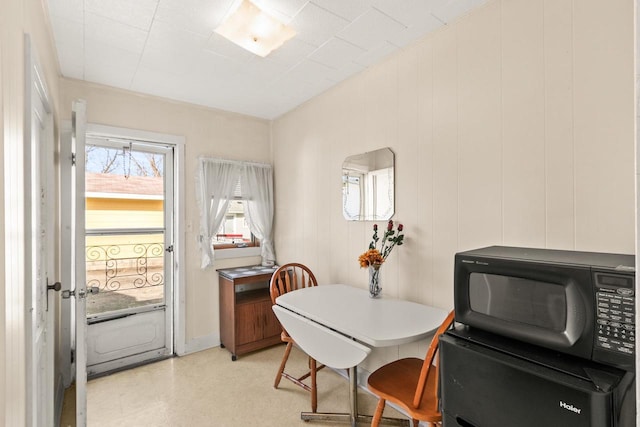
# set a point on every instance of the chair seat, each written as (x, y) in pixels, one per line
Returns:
(397, 381)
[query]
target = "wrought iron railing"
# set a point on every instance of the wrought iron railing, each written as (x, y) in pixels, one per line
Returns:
(117, 267)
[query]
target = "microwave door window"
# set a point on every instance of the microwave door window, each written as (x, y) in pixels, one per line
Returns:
(514, 299)
(480, 297)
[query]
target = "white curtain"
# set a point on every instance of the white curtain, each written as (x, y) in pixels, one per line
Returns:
(217, 180)
(216, 184)
(257, 188)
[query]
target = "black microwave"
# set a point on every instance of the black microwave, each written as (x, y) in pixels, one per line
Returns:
(577, 303)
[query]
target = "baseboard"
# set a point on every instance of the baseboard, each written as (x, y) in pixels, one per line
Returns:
(201, 343)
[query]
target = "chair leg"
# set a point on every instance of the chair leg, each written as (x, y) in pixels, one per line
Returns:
(314, 387)
(416, 423)
(378, 414)
(285, 357)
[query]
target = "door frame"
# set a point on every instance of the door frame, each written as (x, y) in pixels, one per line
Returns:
(178, 143)
(38, 375)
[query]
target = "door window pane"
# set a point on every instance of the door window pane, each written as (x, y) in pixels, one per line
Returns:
(124, 219)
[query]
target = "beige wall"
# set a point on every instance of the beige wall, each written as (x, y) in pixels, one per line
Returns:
(512, 126)
(17, 17)
(207, 132)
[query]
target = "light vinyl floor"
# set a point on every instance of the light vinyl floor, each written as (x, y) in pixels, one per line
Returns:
(208, 389)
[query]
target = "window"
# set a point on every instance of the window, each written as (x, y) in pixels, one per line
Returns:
(222, 187)
(351, 195)
(234, 231)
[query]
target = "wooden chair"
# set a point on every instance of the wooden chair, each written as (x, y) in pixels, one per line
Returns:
(290, 277)
(411, 383)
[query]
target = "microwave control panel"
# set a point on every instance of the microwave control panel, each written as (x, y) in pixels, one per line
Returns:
(615, 300)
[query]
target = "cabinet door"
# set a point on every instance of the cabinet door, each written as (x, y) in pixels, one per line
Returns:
(271, 326)
(248, 323)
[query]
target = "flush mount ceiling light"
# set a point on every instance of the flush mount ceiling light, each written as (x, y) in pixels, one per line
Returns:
(252, 29)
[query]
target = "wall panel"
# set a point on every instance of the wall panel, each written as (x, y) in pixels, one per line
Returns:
(523, 126)
(558, 111)
(445, 164)
(603, 98)
(480, 155)
(512, 125)
(413, 154)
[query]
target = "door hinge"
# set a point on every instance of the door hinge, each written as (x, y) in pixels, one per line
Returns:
(73, 159)
(73, 356)
(169, 248)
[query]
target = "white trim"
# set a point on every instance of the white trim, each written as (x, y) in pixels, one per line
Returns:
(66, 242)
(29, 152)
(180, 248)
(39, 264)
(96, 130)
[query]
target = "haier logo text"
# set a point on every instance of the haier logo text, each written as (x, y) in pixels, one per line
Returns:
(569, 407)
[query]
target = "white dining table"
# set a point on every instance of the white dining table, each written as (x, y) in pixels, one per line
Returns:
(374, 322)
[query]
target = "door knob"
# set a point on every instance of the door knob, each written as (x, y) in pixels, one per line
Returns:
(56, 287)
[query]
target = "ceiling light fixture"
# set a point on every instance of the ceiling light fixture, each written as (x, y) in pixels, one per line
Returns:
(252, 29)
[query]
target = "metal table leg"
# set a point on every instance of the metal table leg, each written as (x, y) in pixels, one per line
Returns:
(353, 417)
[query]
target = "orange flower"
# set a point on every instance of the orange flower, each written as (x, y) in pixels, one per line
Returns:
(371, 256)
(389, 241)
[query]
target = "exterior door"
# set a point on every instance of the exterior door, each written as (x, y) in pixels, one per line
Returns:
(129, 251)
(76, 291)
(81, 236)
(39, 246)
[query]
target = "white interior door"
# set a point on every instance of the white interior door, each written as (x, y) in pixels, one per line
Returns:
(39, 245)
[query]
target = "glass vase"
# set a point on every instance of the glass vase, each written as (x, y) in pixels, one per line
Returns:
(374, 280)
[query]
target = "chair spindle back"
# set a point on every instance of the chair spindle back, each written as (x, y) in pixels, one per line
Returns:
(290, 277)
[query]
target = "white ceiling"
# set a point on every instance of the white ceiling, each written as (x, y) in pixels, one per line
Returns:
(168, 48)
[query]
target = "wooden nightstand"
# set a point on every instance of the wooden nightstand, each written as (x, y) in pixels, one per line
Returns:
(247, 322)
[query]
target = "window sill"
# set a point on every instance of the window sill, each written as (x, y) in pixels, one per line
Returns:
(237, 252)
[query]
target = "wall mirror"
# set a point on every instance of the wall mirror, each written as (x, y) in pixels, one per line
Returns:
(367, 186)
